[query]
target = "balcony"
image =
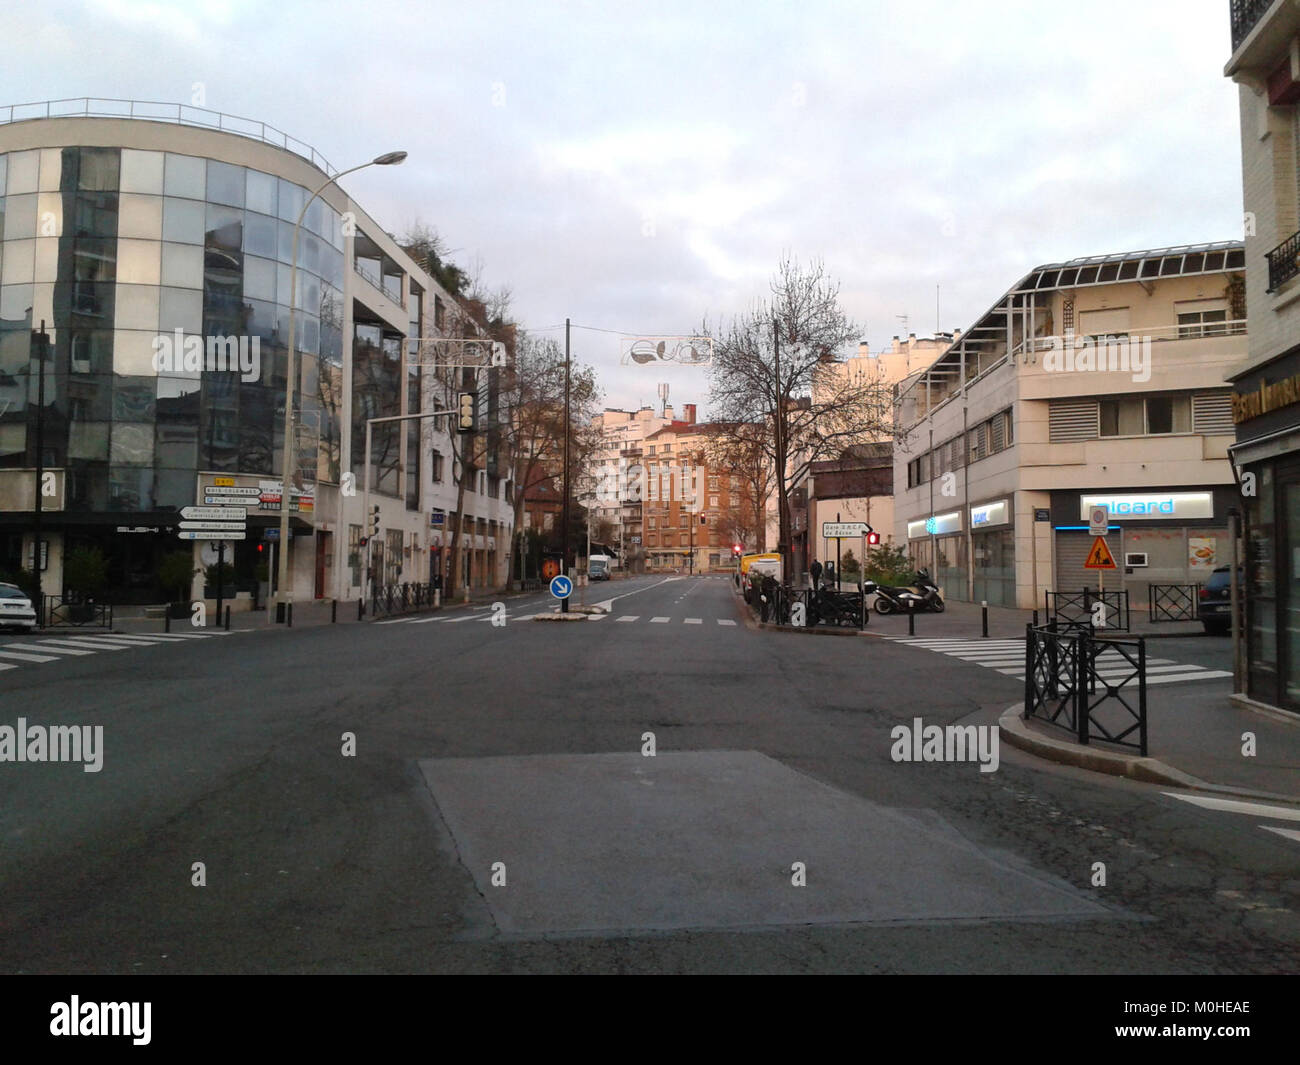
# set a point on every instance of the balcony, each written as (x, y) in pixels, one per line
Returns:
(1245, 14)
(1284, 262)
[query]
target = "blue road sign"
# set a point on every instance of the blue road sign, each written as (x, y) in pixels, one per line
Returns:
(561, 587)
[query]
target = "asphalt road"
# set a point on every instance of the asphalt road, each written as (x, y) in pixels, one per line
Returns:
(501, 812)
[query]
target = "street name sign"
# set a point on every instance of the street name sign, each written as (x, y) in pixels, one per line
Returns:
(227, 490)
(205, 534)
(231, 526)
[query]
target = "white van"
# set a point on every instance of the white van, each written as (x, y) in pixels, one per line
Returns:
(598, 567)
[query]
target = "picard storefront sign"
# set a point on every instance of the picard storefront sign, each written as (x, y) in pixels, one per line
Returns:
(1151, 505)
(989, 514)
(935, 525)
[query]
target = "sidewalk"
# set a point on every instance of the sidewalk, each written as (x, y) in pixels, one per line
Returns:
(964, 620)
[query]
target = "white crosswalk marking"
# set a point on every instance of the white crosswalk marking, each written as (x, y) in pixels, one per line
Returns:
(84, 645)
(725, 621)
(596, 617)
(3, 666)
(59, 649)
(50, 650)
(694, 621)
(628, 617)
(1008, 658)
(27, 658)
(1289, 833)
(659, 621)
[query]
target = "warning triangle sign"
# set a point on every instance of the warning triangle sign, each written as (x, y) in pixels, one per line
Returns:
(1099, 557)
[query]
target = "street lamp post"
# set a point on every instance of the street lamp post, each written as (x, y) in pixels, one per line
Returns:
(284, 591)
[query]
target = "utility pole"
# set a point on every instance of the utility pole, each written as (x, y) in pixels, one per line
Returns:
(42, 341)
(782, 519)
(564, 506)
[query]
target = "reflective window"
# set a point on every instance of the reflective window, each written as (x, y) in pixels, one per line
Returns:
(20, 217)
(136, 307)
(183, 221)
(139, 216)
(53, 161)
(90, 351)
(49, 214)
(98, 171)
(88, 440)
(182, 265)
(225, 228)
(261, 192)
(4, 170)
(95, 215)
(138, 261)
(23, 168)
(180, 308)
(142, 171)
(259, 278)
(132, 444)
(20, 261)
(225, 184)
(134, 399)
(291, 200)
(315, 216)
(94, 260)
(134, 349)
(260, 234)
(129, 489)
(186, 176)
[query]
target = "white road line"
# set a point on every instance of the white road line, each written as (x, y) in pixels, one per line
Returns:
(28, 658)
(396, 621)
(98, 641)
(49, 645)
(84, 645)
(597, 617)
(1208, 674)
(1239, 806)
(135, 641)
(628, 617)
(694, 621)
(453, 621)
(416, 621)
(725, 621)
(3, 666)
(1289, 833)
(658, 621)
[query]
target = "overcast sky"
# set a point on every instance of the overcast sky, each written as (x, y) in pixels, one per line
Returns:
(635, 166)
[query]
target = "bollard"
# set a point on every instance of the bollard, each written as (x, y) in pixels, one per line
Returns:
(227, 619)
(911, 620)
(984, 610)
(289, 615)
(361, 608)
(167, 619)
(334, 611)
(1035, 619)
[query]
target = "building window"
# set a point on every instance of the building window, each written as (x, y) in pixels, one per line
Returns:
(437, 466)
(1146, 416)
(1202, 324)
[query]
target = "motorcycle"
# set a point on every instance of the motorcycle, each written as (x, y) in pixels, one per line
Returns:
(921, 596)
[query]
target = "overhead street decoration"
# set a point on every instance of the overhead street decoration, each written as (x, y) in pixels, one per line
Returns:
(686, 351)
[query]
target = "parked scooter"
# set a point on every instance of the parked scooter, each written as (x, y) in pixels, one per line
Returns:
(921, 596)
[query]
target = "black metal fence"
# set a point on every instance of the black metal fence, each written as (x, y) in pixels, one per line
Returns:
(399, 598)
(58, 611)
(1243, 15)
(1080, 606)
(1172, 602)
(1094, 687)
(808, 607)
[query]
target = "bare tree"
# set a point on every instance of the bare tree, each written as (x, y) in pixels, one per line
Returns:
(779, 366)
(739, 449)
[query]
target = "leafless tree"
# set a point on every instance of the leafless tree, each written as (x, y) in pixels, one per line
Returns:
(779, 366)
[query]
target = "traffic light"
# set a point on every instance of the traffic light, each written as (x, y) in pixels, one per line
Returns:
(372, 525)
(873, 538)
(467, 412)
(737, 550)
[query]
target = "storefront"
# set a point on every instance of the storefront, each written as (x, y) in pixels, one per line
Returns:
(937, 542)
(1266, 409)
(993, 552)
(1160, 536)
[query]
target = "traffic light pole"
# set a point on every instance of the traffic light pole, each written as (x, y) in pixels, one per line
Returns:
(365, 493)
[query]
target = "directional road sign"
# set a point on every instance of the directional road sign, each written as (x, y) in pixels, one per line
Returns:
(844, 530)
(223, 490)
(214, 513)
(202, 534)
(216, 500)
(561, 587)
(231, 526)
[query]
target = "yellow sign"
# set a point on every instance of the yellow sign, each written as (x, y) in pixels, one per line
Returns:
(223, 482)
(1099, 557)
(1248, 405)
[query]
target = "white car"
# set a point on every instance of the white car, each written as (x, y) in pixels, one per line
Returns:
(16, 609)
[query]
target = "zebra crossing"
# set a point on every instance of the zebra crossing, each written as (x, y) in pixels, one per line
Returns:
(42, 649)
(1008, 658)
(486, 615)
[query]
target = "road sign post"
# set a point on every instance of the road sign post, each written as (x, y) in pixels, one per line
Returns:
(1099, 525)
(561, 589)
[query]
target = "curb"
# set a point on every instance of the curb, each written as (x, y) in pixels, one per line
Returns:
(1134, 767)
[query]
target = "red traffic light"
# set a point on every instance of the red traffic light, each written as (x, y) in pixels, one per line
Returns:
(736, 549)
(260, 548)
(873, 538)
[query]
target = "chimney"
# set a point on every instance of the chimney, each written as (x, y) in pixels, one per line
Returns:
(689, 409)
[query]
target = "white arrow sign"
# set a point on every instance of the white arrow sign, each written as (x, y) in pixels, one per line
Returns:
(844, 530)
(215, 513)
(233, 526)
(191, 534)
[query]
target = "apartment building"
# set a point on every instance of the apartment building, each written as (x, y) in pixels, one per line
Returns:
(1265, 63)
(123, 233)
(616, 473)
(691, 507)
(1098, 380)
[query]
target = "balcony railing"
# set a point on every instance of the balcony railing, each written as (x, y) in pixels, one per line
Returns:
(156, 111)
(1284, 262)
(1245, 14)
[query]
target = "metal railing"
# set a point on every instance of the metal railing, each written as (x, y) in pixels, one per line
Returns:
(161, 111)
(780, 605)
(1284, 262)
(1244, 15)
(1183, 331)
(1094, 687)
(399, 598)
(56, 610)
(1079, 606)
(1172, 602)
